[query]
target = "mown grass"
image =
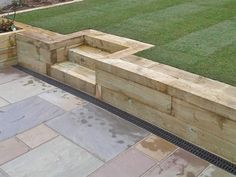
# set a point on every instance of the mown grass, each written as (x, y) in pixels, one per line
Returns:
(195, 35)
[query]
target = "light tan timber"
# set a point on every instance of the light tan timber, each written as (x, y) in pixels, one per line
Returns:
(152, 98)
(74, 75)
(213, 99)
(172, 124)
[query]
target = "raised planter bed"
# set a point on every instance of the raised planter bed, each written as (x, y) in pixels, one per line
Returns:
(8, 47)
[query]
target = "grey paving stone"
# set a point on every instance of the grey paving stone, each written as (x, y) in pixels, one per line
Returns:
(62, 99)
(18, 117)
(23, 88)
(57, 158)
(10, 74)
(97, 130)
(3, 174)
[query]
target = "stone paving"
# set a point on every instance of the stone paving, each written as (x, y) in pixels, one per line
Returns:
(47, 132)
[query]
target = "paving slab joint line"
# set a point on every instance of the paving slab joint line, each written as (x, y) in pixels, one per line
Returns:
(123, 152)
(93, 154)
(161, 161)
(17, 155)
(30, 149)
(3, 172)
(5, 100)
(204, 170)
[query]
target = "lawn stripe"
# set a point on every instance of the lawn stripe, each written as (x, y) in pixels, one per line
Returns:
(206, 42)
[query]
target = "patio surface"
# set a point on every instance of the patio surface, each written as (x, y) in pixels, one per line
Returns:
(47, 132)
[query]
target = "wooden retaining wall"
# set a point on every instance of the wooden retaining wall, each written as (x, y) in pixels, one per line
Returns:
(7, 49)
(199, 110)
(203, 113)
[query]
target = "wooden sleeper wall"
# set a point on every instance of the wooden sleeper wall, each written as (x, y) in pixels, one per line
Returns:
(154, 98)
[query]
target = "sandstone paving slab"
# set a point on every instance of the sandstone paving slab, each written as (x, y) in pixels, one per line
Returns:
(3, 102)
(21, 116)
(37, 136)
(23, 88)
(213, 171)
(62, 99)
(132, 163)
(97, 130)
(10, 149)
(179, 164)
(10, 74)
(156, 147)
(57, 158)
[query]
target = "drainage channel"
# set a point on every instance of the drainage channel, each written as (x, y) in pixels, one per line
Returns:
(203, 154)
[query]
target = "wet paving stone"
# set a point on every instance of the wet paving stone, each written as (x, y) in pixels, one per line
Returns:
(213, 171)
(10, 74)
(37, 136)
(57, 158)
(97, 130)
(25, 87)
(132, 163)
(10, 149)
(62, 99)
(156, 147)
(21, 116)
(179, 164)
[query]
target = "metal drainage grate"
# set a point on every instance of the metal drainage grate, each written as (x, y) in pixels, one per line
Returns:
(203, 154)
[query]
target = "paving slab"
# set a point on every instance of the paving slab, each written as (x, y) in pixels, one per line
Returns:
(62, 99)
(57, 158)
(21, 116)
(97, 130)
(10, 74)
(37, 136)
(181, 164)
(25, 87)
(10, 149)
(3, 102)
(213, 171)
(132, 163)
(156, 147)
(3, 174)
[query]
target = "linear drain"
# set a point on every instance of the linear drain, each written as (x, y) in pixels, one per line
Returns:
(203, 154)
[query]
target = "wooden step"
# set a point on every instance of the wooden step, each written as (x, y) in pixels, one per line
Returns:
(87, 56)
(76, 76)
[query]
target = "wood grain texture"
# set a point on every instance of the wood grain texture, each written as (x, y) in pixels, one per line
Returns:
(172, 124)
(150, 97)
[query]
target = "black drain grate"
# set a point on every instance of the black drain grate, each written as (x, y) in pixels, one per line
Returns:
(212, 158)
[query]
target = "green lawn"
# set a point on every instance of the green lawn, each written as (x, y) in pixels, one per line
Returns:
(195, 35)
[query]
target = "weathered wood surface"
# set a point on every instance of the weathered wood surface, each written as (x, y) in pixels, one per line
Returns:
(214, 99)
(194, 108)
(152, 98)
(74, 75)
(187, 131)
(7, 49)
